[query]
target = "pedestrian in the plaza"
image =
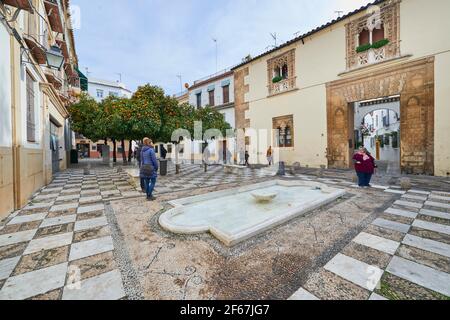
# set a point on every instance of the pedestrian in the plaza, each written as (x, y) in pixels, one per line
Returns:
(138, 159)
(270, 156)
(149, 167)
(364, 166)
(163, 152)
(247, 157)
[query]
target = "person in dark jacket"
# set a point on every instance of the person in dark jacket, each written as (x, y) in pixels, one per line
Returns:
(163, 152)
(247, 157)
(148, 157)
(138, 159)
(364, 166)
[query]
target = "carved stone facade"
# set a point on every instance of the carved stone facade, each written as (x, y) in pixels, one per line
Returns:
(389, 17)
(241, 106)
(284, 66)
(414, 82)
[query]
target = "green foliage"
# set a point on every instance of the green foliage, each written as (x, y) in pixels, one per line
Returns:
(380, 43)
(375, 45)
(149, 113)
(277, 79)
(363, 48)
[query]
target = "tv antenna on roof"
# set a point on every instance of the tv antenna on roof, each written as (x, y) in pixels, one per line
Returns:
(274, 36)
(339, 13)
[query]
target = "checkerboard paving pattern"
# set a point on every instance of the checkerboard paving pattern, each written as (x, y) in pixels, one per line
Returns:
(193, 176)
(60, 245)
(404, 254)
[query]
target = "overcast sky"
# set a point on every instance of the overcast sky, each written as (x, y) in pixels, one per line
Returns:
(153, 41)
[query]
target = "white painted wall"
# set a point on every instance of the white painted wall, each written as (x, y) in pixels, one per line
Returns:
(5, 89)
(93, 87)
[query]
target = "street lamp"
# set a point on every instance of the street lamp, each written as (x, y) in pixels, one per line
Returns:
(55, 59)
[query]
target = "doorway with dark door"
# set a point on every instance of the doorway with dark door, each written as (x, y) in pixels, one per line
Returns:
(54, 146)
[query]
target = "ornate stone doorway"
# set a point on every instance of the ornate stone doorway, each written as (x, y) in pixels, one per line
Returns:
(414, 82)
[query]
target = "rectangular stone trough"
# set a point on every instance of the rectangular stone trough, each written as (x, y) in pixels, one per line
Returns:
(235, 215)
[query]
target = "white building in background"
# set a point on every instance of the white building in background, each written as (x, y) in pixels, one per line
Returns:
(216, 91)
(100, 89)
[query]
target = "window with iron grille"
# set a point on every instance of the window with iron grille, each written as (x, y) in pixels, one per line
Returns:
(31, 123)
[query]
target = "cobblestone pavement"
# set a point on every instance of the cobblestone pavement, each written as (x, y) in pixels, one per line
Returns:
(65, 244)
(404, 254)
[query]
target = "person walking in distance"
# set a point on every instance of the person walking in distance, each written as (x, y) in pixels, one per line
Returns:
(270, 156)
(149, 167)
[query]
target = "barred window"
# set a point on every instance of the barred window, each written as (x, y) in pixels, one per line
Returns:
(31, 122)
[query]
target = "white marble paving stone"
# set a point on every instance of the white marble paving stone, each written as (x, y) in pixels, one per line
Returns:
(414, 197)
(394, 191)
(58, 189)
(402, 213)
(437, 204)
(28, 218)
(303, 295)
(69, 197)
(107, 286)
(89, 248)
(32, 206)
(33, 283)
(436, 227)
(7, 267)
(377, 297)
(90, 199)
(63, 207)
(396, 226)
(419, 191)
(380, 187)
(377, 243)
(90, 223)
(47, 243)
(436, 214)
(355, 271)
(18, 237)
(46, 196)
(419, 274)
(439, 248)
(93, 208)
(409, 204)
(51, 222)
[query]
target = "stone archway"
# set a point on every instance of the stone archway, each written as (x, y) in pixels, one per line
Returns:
(414, 82)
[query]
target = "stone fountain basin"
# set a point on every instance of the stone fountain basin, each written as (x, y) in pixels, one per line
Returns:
(233, 215)
(264, 196)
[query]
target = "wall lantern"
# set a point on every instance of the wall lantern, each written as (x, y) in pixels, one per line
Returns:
(55, 59)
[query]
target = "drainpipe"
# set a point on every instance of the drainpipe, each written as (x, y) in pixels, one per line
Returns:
(15, 104)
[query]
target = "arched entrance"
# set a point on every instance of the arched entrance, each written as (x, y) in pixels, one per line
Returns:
(377, 128)
(413, 82)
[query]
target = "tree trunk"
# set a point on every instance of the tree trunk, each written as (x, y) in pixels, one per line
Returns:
(130, 150)
(114, 151)
(124, 154)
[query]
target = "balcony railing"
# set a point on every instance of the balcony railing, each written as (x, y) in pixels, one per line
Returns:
(283, 86)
